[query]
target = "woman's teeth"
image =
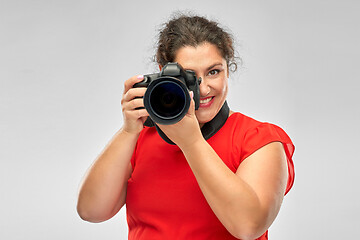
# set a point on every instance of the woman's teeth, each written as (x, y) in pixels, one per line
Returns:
(205, 100)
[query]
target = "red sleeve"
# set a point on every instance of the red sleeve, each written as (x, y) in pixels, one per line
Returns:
(266, 133)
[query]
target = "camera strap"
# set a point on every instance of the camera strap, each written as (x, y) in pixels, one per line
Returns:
(209, 128)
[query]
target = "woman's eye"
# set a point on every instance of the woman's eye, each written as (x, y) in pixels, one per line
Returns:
(213, 72)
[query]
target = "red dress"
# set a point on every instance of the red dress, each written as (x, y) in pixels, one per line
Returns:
(164, 200)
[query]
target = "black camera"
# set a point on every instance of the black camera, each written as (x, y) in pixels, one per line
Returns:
(167, 97)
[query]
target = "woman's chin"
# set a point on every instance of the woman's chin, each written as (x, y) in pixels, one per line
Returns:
(204, 117)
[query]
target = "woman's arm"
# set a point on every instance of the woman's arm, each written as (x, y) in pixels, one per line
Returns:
(246, 202)
(103, 191)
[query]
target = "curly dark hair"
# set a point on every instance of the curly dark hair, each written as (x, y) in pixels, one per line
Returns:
(191, 30)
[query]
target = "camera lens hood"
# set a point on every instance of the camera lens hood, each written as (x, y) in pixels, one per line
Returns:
(167, 100)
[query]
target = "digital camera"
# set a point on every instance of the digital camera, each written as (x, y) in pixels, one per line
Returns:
(167, 97)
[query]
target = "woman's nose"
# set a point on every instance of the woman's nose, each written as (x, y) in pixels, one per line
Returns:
(204, 88)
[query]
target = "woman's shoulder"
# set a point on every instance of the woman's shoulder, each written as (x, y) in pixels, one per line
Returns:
(245, 127)
(243, 121)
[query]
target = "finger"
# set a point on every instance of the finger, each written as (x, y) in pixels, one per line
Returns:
(128, 84)
(142, 113)
(136, 114)
(133, 93)
(134, 104)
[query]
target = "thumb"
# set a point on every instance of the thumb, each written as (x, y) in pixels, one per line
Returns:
(192, 104)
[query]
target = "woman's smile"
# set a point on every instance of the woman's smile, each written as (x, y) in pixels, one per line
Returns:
(206, 102)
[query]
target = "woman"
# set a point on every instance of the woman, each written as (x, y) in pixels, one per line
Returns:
(229, 186)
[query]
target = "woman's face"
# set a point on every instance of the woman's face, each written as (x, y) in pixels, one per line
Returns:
(206, 61)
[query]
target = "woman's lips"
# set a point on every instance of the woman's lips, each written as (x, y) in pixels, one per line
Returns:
(206, 102)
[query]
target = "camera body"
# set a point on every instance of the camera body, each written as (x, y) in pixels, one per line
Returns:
(167, 97)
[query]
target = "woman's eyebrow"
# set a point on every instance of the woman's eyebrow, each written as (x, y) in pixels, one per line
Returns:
(208, 68)
(214, 65)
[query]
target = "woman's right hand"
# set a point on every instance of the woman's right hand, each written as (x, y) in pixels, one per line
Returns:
(132, 104)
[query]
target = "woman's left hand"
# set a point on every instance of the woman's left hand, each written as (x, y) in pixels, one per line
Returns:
(187, 130)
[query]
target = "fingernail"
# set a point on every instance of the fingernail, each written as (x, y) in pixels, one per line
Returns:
(191, 94)
(140, 76)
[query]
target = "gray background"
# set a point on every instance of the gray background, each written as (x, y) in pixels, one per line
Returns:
(62, 68)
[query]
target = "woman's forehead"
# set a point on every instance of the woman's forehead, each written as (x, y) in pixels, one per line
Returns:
(201, 56)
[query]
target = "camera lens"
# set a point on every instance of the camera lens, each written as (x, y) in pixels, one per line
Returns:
(167, 99)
